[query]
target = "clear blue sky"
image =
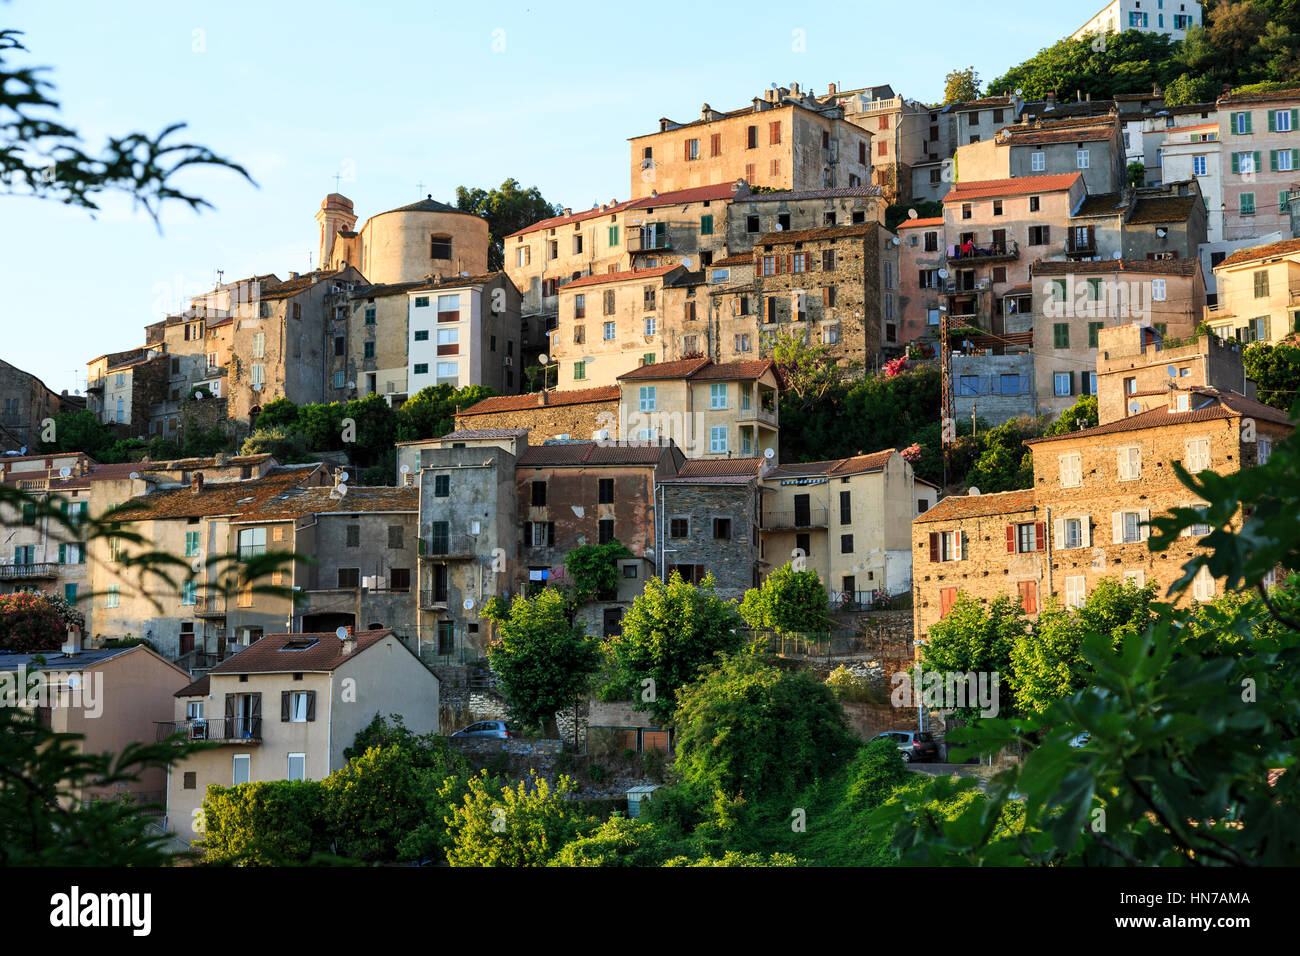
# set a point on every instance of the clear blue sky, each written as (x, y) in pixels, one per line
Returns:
(392, 94)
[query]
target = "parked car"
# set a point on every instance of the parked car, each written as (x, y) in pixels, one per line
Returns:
(1080, 740)
(914, 746)
(489, 728)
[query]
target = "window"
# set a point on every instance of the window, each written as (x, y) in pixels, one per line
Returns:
(742, 342)
(1061, 335)
(523, 256)
(1247, 204)
(718, 395)
(609, 331)
(1025, 537)
(722, 529)
(240, 771)
(447, 373)
(1203, 585)
(421, 335)
(706, 225)
(297, 707)
(579, 307)
(421, 368)
(539, 494)
(1198, 166)
(1075, 590)
(966, 212)
(1281, 121)
(297, 768)
(252, 542)
(1028, 595)
(1034, 203)
(579, 371)
(1129, 526)
(1063, 383)
(1261, 284)
(1071, 470)
(947, 596)
(846, 507)
(647, 398)
(1241, 123)
(1040, 235)
(1196, 457)
(679, 527)
(1081, 158)
(773, 133)
(113, 596)
(605, 530)
(968, 385)
(649, 325)
(1037, 161)
(692, 149)
(1130, 463)
(349, 577)
(259, 345)
(421, 302)
(1009, 384)
(606, 491)
(440, 247)
(1263, 451)
(189, 593)
(718, 439)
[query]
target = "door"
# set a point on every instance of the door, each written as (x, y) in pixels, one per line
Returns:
(802, 511)
(187, 642)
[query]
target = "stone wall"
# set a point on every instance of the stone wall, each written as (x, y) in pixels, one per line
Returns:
(979, 386)
(732, 560)
(578, 420)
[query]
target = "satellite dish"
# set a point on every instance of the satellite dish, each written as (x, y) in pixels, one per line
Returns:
(943, 273)
(257, 387)
(1117, 256)
(602, 435)
(686, 262)
(1173, 372)
(972, 490)
(405, 469)
(343, 477)
(23, 450)
(1134, 407)
(542, 359)
(135, 475)
(352, 384)
(65, 471)
(896, 240)
(468, 604)
(1162, 232)
(1020, 92)
(197, 564)
(340, 490)
(911, 214)
(341, 633)
(769, 454)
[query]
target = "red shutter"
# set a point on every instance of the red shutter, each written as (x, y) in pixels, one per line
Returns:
(1011, 539)
(789, 262)
(687, 148)
(934, 546)
(960, 540)
(1040, 536)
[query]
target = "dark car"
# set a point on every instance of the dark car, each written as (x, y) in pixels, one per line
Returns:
(914, 746)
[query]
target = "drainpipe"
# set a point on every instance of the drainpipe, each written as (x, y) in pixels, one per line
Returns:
(1047, 535)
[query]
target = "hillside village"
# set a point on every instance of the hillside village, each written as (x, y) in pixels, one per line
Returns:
(634, 361)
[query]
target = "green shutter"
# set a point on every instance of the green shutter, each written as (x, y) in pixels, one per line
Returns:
(1249, 128)
(1236, 163)
(1272, 121)
(1258, 164)
(63, 554)
(1272, 160)
(1295, 120)
(1295, 159)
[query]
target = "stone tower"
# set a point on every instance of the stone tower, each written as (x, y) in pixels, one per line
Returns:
(335, 215)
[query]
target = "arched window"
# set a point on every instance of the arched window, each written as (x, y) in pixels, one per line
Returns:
(440, 247)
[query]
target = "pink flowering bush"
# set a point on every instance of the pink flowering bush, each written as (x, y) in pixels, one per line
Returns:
(30, 622)
(896, 366)
(911, 453)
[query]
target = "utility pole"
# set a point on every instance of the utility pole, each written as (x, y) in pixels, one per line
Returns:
(948, 423)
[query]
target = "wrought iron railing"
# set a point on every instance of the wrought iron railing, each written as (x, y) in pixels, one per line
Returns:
(223, 729)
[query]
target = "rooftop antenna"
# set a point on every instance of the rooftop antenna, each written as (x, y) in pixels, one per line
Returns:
(221, 275)
(337, 177)
(419, 187)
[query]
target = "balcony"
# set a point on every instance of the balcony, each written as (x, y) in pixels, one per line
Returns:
(210, 605)
(765, 416)
(453, 547)
(433, 600)
(797, 520)
(226, 730)
(28, 572)
(1080, 245)
(648, 240)
(993, 252)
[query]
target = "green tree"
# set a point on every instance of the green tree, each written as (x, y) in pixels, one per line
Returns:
(80, 431)
(507, 209)
(619, 841)
(542, 661)
(1048, 663)
(670, 632)
(790, 601)
(1004, 464)
(748, 728)
(593, 569)
(1137, 174)
(980, 637)
(961, 86)
(522, 825)
(44, 158)
(374, 801)
(1275, 369)
(279, 412)
(1082, 414)
(431, 412)
(806, 371)
(265, 823)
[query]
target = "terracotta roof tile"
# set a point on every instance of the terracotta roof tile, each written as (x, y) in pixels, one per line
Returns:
(956, 507)
(739, 259)
(665, 370)
(840, 192)
(517, 403)
(1104, 204)
(1218, 405)
(809, 235)
(479, 434)
(1269, 250)
(679, 197)
(1081, 130)
(708, 467)
(269, 656)
(856, 465)
(626, 275)
(1158, 209)
(1291, 93)
(215, 498)
(1020, 186)
(300, 502)
(733, 371)
(934, 223)
(198, 688)
(596, 453)
(581, 216)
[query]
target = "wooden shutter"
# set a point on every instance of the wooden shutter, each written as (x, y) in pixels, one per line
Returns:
(1272, 121)
(1058, 532)
(1040, 536)
(1236, 163)
(1258, 167)
(311, 705)
(63, 554)
(257, 705)
(1272, 156)
(934, 546)
(789, 262)
(550, 534)
(1145, 531)
(826, 296)
(285, 705)
(1011, 539)
(1085, 530)
(963, 539)
(1117, 526)
(528, 534)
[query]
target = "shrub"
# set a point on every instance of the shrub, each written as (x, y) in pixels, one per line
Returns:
(618, 841)
(523, 825)
(268, 823)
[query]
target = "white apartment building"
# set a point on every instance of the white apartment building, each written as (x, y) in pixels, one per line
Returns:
(463, 332)
(1193, 152)
(1173, 17)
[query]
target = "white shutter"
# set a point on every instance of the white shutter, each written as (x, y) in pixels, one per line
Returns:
(1186, 532)
(1085, 530)
(1145, 516)
(1058, 533)
(1117, 526)
(1122, 455)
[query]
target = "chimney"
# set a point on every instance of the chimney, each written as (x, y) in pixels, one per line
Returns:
(1051, 100)
(541, 397)
(349, 642)
(72, 646)
(568, 211)
(196, 482)
(832, 89)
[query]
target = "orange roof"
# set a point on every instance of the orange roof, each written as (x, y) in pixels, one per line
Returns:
(921, 223)
(517, 403)
(1213, 404)
(624, 276)
(1266, 96)
(581, 216)
(1020, 186)
(282, 653)
(1268, 251)
(699, 369)
(957, 507)
(856, 465)
(680, 197)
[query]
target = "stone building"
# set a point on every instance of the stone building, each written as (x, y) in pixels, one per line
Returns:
(1259, 293)
(824, 283)
(993, 387)
(980, 121)
(787, 139)
(575, 493)
(513, 440)
(1091, 146)
(1087, 516)
(903, 135)
(1120, 15)
(847, 519)
(403, 244)
(372, 350)
(121, 387)
(706, 409)
(25, 403)
(1153, 222)
(755, 215)
(922, 255)
(575, 413)
(469, 542)
(712, 513)
(1075, 301)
